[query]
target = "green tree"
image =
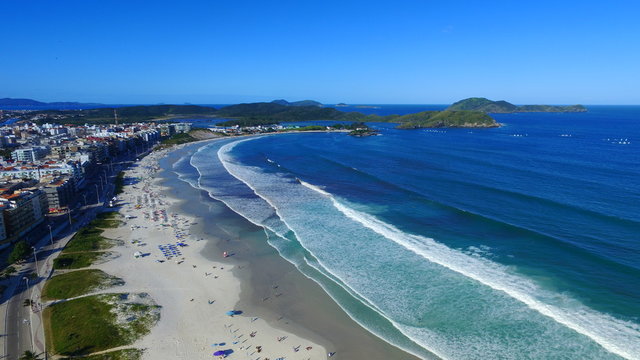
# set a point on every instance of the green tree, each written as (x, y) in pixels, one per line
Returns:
(5, 153)
(30, 355)
(19, 252)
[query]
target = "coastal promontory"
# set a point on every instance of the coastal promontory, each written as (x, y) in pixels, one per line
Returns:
(501, 107)
(445, 119)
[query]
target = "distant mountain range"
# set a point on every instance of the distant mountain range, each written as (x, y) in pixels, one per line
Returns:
(467, 113)
(251, 114)
(34, 103)
(31, 102)
(489, 106)
(297, 103)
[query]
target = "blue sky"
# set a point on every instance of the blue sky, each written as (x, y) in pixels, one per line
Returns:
(414, 52)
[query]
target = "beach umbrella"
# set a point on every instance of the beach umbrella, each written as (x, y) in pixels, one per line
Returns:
(219, 353)
(231, 313)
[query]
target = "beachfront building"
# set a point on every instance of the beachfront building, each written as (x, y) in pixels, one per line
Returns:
(22, 211)
(60, 193)
(49, 168)
(30, 154)
(3, 232)
(181, 127)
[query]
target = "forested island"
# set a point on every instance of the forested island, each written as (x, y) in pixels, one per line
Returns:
(488, 106)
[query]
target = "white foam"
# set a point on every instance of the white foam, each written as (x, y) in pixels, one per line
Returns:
(619, 337)
(616, 336)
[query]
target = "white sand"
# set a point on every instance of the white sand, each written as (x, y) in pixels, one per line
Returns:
(189, 325)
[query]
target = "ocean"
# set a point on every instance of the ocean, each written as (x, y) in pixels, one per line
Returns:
(508, 243)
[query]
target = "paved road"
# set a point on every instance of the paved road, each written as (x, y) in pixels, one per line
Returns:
(20, 336)
(21, 322)
(18, 323)
(19, 319)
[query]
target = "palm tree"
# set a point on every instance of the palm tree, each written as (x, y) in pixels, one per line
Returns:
(30, 355)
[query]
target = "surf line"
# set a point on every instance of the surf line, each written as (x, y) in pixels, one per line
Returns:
(228, 162)
(627, 333)
(617, 336)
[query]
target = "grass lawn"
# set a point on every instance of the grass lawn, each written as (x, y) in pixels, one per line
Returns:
(88, 324)
(90, 237)
(87, 239)
(76, 283)
(83, 326)
(106, 220)
(76, 260)
(124, 354)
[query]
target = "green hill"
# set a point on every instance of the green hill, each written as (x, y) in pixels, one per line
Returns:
(442, 119)
(489, 106)
(270, 113)
(297, 103)
(264, 113)
(551, 108)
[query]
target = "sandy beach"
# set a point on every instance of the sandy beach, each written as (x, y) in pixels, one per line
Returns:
(182, 236)
(196, 294)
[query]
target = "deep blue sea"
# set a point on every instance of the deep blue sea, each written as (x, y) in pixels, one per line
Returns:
(516, 242)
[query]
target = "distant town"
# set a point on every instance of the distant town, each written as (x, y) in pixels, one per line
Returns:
(49, 170)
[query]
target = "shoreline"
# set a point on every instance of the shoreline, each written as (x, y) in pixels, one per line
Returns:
(304, 308)
(281, 312)
(194, 292)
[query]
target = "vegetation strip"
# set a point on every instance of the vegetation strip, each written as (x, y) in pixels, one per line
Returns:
(79, 260)
(77, 283)
(100, 322)
(123, 354)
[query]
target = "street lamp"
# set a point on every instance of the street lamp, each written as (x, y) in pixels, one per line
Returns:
(97, 193)
(101, 183)
(69, 215)
(50, 234)
(85, 199)
(36, 258)
(33, 347)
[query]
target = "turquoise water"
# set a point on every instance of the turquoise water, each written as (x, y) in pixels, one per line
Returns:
(516, 242)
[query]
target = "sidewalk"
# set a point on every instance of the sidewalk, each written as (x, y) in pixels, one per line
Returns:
(45, 270)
